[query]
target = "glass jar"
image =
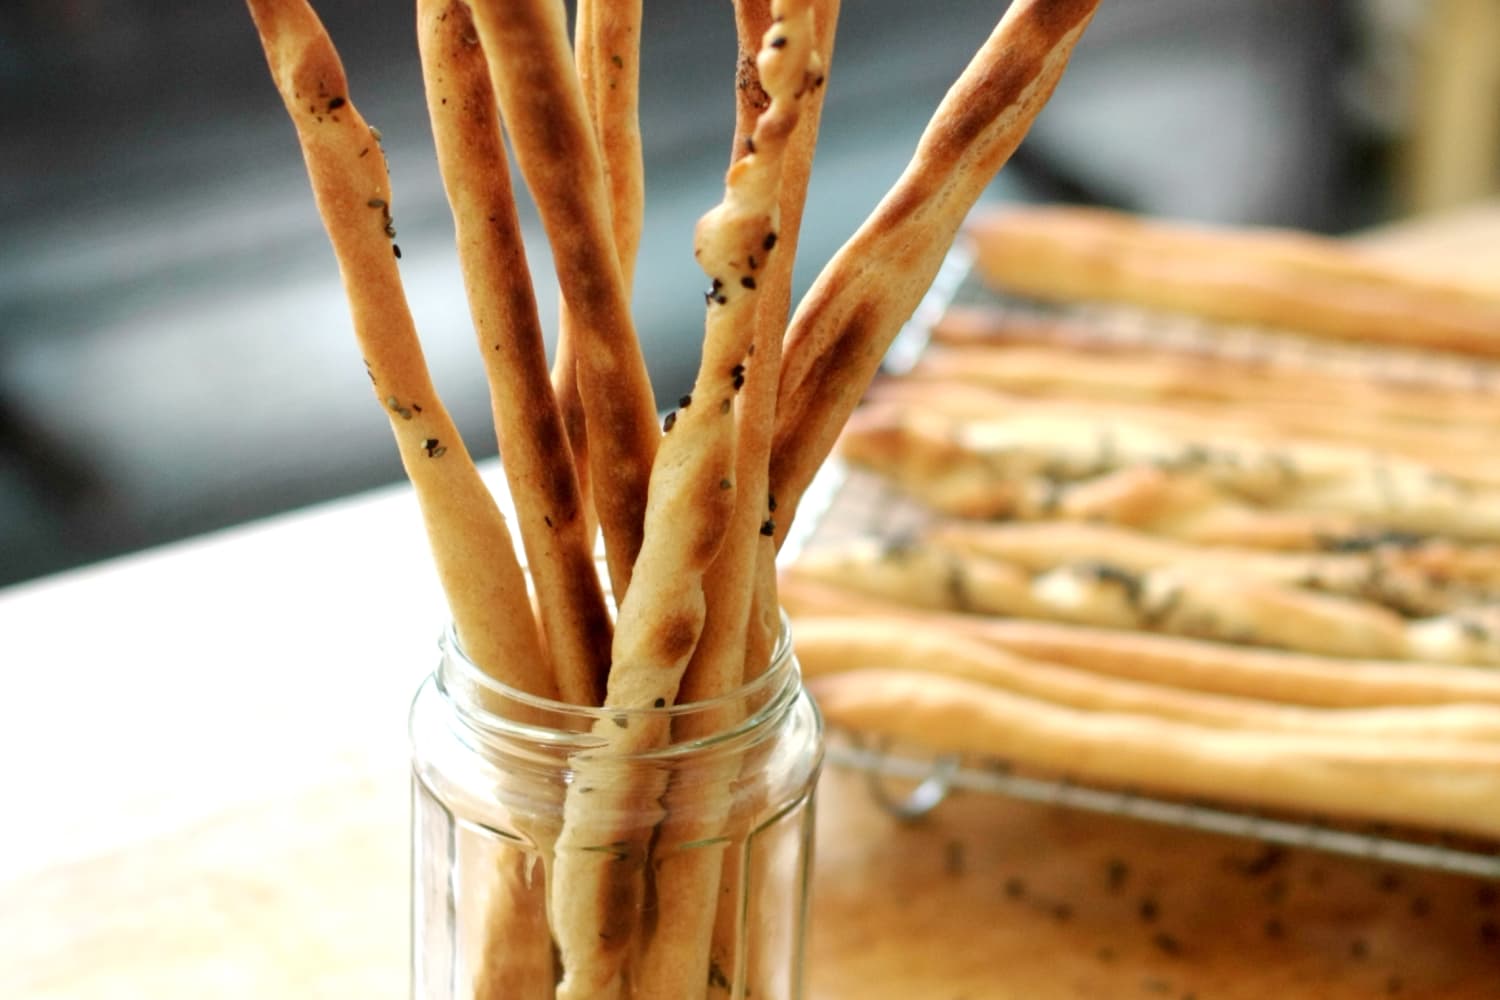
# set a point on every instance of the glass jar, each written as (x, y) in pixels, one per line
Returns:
(707, 894)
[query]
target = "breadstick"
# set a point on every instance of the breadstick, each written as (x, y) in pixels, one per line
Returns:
(1196, 603)
(1129, 331)
(1155, 375)
(608, 56)
(836, 645)
(1278, 279)
(533, 443)
(1461, 450)
(1192, 664)
(692, 501)
(526, 45)
(919, 449)
(1446, 786)
(858, 303)
(696, 912)
(471, 544)
(698, 894)
(1412, 577)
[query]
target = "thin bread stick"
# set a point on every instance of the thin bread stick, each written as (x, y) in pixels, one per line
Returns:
(692, 501)
(1190, 664)
(608, 58)
(838, 644)
(676, 959)
(531, 67)
(842, 327)
(1278, 279)
(471, 545)
(533, 443)
(1446, 786)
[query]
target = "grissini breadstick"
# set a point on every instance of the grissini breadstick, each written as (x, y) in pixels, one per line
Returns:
(607, 51)
(533, 443)
(929, 452)
(692, 500)
(1159, 375)
(1190, 602)
(526, 44)
(1448, 786)
(516, 962)
(837, 644)
(471, 544)
(1129, 331)
(844, 324)
(742, 615)
(1461, 450)
(1192, 664)
(1415, 578)
(1277, 279)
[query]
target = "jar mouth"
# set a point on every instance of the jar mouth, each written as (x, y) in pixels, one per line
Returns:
(487, 704)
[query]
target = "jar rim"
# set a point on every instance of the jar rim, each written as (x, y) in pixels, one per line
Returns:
(573, 723)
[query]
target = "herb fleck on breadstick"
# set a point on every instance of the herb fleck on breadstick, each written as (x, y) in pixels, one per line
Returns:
(470, 542)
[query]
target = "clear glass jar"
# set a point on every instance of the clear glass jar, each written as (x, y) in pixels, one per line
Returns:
(708, 894)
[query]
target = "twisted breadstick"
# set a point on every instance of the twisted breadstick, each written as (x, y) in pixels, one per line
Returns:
(1279, 279)
(842, 327)
(471, 545)
(742, 618)
(526, 45)
(533, 442)
(692, 499)
(607, 51)
(1447, 786)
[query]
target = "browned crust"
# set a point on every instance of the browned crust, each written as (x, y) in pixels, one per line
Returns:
(1190, 664)
(693, 494)
(471, 545)
(742, 612)
(842, 327)
(829, 645)
(1278, 279)
(544, 111)
(1446, 786)
(608, 58)
(533, 443)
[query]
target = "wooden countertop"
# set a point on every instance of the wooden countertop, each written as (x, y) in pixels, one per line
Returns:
(186, 818)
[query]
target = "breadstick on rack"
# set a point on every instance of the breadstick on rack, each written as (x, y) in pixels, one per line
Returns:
(742, 616)
(476, 562)
(608, 57)
(533, 442)
(542, 105)
(1278, 279)
(1445, 786)
(832, 645)
(842, 327)
(692, 502)
(1190, 664)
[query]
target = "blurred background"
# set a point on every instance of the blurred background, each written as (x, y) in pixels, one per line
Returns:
(175, 353)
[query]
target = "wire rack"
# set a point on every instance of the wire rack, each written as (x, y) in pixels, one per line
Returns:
(844, 504)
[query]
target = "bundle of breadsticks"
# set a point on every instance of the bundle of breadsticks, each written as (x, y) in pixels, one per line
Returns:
(1212, 513)
(691, 509)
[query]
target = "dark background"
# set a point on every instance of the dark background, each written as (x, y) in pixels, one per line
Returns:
(175, 355)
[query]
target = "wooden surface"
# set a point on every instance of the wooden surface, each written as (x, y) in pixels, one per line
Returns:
(205, 776)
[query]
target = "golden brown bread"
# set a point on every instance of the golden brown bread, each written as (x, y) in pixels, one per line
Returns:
(1278, 279)
(835, 644)
(531, 67)
(533, 443)
(471, 544)
(1191, 664)
(692, 502)
(1031, 465)
(1445, 786)
(742, 617)
(843, 325)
